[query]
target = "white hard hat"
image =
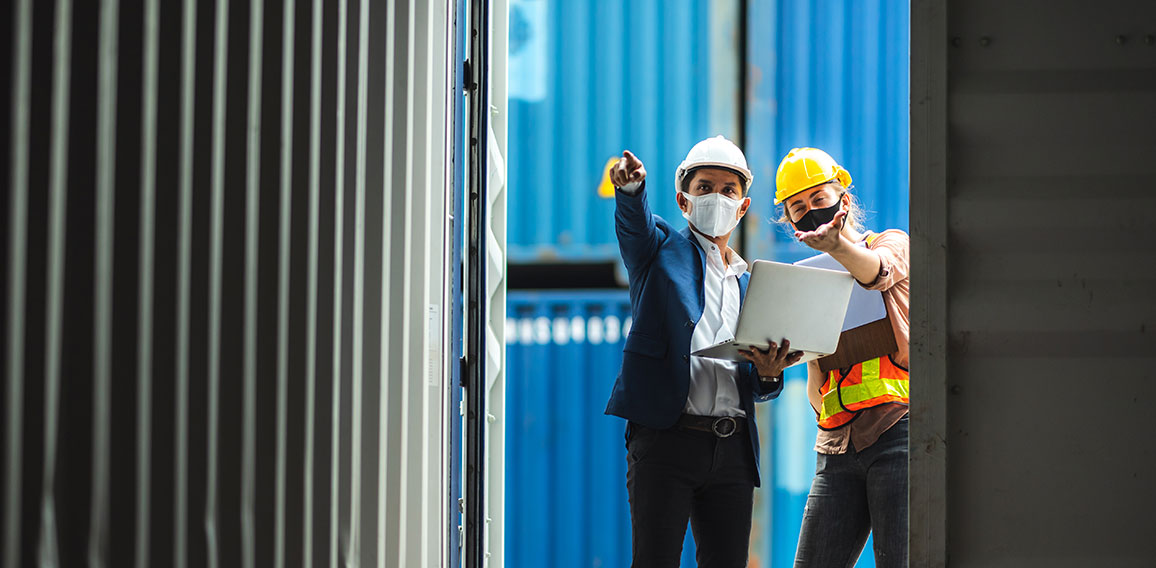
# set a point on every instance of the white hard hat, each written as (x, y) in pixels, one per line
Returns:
(715, 152)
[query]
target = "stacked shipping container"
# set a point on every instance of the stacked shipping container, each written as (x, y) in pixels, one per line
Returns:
(566, 497)
(832, 75)
(589, 79)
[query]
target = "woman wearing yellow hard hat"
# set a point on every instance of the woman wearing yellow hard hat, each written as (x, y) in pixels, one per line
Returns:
(860, 483)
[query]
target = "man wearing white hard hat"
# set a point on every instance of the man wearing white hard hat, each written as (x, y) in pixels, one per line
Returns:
(692, 445)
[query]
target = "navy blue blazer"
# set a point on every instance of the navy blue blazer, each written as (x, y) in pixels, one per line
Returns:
(665, 267)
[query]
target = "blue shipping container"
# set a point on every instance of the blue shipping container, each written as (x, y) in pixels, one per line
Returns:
(831, 75)
(819, 73)
(589, 79)
(565, 460)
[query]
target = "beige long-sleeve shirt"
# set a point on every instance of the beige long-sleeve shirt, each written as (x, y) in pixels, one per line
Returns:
(894, 248)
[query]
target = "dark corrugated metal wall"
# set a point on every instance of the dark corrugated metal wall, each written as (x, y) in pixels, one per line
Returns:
(1035, 269)
(193, 214)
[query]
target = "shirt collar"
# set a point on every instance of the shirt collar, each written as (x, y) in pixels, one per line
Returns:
(738, 265)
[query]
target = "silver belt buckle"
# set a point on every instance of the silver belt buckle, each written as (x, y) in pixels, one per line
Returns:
(724, 426)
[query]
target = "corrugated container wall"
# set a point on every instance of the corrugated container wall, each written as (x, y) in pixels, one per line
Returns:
(207, 358)
(831, 75)
(589, 79)
(1034, 235)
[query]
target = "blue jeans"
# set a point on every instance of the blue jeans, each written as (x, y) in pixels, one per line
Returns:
(852, 495)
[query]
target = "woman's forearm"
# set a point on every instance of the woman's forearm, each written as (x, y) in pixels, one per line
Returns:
(862, 262)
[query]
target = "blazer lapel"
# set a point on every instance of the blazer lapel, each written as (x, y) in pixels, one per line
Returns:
(699, 291)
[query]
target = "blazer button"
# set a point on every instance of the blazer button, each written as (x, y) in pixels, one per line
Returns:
(689, 323)
(686, 357)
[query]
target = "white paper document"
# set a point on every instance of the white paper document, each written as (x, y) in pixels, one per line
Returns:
(864, 307)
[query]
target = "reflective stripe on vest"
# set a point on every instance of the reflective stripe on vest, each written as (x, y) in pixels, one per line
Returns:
(867, 384)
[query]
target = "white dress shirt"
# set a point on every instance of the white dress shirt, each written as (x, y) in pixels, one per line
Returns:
(714, 389)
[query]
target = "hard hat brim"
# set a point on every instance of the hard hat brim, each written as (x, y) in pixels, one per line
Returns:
(842, 176)
(779, 200)
(744, 174)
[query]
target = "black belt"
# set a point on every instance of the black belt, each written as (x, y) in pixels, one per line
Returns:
(720, 426)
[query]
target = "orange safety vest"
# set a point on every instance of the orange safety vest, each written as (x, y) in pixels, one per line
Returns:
(873, 382)
(863, 385)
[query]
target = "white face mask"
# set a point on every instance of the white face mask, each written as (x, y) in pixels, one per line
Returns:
(713, 214)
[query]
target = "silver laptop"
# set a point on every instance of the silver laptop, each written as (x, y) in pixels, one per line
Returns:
(803, 304)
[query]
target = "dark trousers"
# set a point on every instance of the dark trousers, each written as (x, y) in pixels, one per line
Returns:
(674, 475)
(852, 495)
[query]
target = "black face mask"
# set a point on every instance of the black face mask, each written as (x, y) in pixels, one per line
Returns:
(816, 218)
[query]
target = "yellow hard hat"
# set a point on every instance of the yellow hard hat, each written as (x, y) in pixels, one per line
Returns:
(804, 168)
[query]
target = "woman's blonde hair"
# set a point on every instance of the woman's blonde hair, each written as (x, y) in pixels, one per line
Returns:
(856, 216)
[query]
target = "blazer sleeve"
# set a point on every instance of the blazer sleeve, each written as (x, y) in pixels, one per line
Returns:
(638, 235)
(763, 390)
